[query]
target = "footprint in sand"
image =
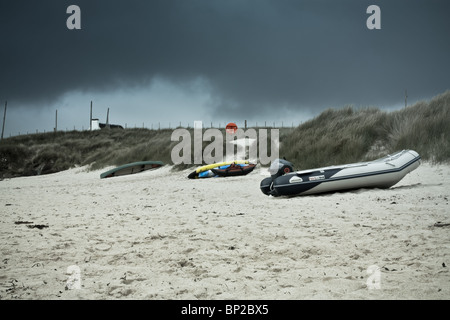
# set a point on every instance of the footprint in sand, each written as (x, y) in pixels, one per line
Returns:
(103, 246)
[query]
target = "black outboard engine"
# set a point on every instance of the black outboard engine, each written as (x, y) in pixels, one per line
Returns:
(278, 168)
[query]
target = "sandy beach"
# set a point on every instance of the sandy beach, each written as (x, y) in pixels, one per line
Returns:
(158, 235)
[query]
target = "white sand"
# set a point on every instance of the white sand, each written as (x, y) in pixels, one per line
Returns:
(159, 235)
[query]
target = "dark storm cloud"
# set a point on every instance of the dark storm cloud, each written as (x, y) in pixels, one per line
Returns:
(254, 53)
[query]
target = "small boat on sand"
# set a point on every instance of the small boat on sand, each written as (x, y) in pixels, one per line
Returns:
(223, 169)
(234, 170)
(381, 173)
(131, 168)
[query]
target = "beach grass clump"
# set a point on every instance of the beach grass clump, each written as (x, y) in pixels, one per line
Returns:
(346, 135)
(334, 137)
(426, 127)
(11, 158)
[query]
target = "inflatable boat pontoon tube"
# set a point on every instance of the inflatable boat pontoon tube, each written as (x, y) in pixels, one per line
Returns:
(381, 173)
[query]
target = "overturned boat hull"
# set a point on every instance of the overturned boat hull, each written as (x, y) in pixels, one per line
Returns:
(205, 171)
(234, 170)
(131, 168)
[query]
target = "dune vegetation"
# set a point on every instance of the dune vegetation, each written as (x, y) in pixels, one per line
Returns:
(336, 136)
(349, 135)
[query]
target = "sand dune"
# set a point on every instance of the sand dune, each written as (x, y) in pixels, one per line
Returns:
(159, 235)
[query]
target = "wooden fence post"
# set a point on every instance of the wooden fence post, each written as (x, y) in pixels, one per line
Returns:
(56, 120)
(90, 119)
(4, 118)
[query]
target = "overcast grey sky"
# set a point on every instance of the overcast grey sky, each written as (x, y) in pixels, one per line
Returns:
(173, 61)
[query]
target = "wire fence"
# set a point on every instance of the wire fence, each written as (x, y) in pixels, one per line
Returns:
(160, 125)
(165, 125)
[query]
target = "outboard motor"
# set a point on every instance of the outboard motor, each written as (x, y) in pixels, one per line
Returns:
(278, 168)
